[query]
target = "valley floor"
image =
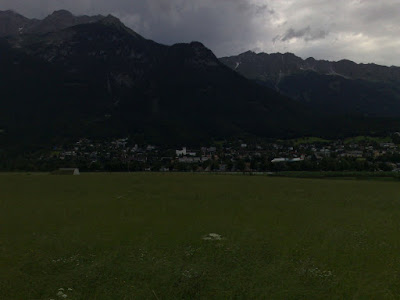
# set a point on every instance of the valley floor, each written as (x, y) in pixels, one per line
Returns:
(197, 236)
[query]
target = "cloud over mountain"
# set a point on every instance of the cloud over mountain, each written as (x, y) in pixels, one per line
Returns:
(361, 30)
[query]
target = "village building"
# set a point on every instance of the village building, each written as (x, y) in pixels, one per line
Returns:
(67, 171)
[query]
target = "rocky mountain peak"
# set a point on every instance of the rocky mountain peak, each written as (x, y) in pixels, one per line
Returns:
(248, 54)
(116, 23)
(12, 23)
(111, 20)
(196, 44)
(8, 13)
(271, 66)
(61, 13)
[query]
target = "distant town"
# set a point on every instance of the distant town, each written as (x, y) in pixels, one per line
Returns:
(306, 154)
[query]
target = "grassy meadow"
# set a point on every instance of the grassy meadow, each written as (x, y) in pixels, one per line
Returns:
(146, 236)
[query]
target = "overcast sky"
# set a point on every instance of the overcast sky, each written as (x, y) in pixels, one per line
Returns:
(360, 30)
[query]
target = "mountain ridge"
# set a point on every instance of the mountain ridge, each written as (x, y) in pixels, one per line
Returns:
(102, 79)
(291, 62)
(99, 79)
(342, 87)
(15, 24)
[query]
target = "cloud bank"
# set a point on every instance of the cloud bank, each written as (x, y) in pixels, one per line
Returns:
(360, 30)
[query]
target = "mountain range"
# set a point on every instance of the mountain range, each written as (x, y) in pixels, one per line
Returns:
(14, 24)
(332, 87)
(103, 79)
(66, 77)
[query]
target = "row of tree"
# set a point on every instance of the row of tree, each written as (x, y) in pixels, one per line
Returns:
(255, 164)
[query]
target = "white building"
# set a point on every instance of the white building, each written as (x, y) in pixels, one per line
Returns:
(181, 152)
(277, 160)
(67, 171)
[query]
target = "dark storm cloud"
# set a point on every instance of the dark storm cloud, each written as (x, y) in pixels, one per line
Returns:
(291, 33)
(305, 33)
(226, 26)
(362, 30)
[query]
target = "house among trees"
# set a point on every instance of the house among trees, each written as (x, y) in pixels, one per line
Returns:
(67, 171)
(181, 152)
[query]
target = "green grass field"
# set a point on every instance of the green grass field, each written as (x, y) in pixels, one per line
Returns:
(359, 139)
(140, 236)
(340, 174)
(310, 140)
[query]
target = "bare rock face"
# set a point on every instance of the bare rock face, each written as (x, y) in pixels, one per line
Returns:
(333, 87)
(268, 67)
(14, 24)
(61, 19)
